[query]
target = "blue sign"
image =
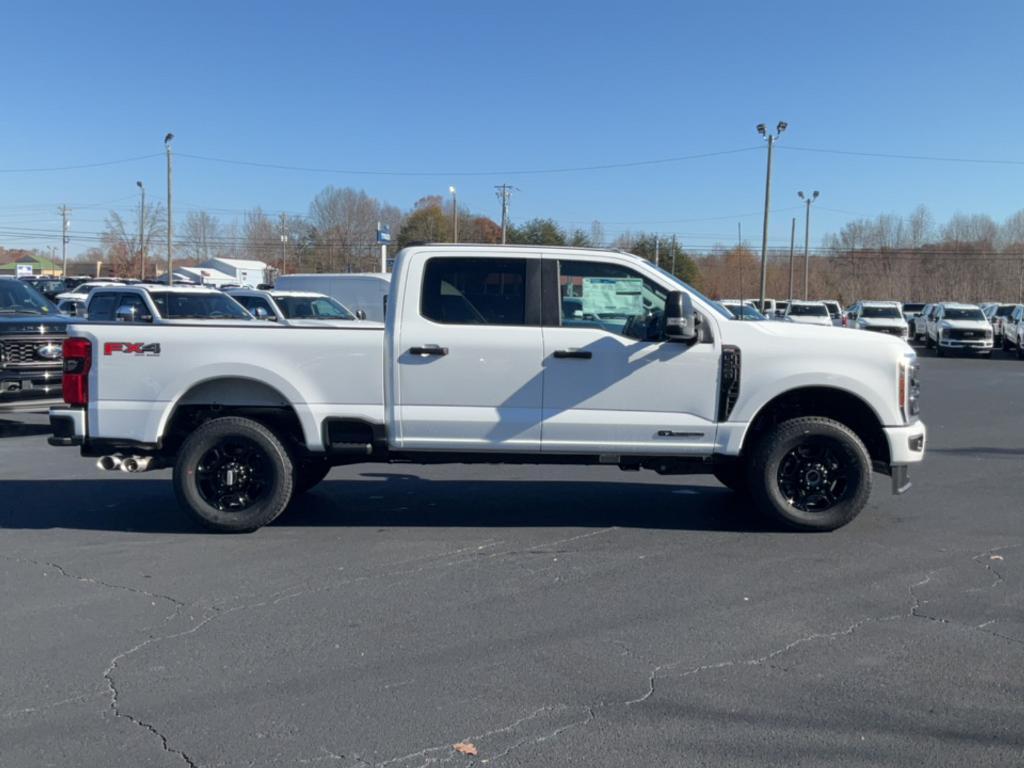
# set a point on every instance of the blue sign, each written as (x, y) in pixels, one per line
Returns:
(383, 233)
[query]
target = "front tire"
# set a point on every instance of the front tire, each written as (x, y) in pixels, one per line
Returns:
(233, 475)
(810, 474)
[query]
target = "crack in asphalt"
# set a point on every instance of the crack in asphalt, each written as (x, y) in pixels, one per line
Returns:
(98, 582)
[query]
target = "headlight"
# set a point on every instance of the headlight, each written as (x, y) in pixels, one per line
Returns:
(909, 390)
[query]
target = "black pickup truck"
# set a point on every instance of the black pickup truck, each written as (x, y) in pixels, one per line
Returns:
(31, 336)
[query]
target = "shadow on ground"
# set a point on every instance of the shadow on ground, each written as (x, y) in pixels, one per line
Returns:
(21, 429)
(382, 499)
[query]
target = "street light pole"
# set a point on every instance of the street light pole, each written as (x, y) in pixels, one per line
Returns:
(64, 240)
(771, 139)
(455, 216)
(170, 226)
(807, 235)
(142, 230)
(792, 244)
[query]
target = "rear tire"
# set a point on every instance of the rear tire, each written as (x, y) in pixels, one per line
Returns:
(928, 343)
(940, 351)
(233, 475)
(810, 474)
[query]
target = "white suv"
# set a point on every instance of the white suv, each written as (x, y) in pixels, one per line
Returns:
(956, 327)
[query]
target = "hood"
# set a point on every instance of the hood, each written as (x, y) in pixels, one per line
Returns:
(828, 337)
(28, 325)
(882, 322)
(966, 325)
(809, 320)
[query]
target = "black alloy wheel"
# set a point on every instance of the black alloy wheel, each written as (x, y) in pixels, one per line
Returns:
(814, 476)
(810, 473)
(232, 475)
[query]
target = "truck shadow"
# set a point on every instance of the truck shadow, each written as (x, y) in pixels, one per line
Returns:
(149, 506)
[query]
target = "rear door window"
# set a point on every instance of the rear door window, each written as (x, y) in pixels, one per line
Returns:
(468, 291)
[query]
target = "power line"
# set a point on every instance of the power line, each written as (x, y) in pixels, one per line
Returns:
(80, 167)
(531, 172)
(891, 156)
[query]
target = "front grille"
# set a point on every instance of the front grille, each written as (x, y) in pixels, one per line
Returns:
(25, 353)
(890, 331)
(959, 334)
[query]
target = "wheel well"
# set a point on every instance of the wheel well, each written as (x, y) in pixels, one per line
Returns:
(831, 403)
(232, 397)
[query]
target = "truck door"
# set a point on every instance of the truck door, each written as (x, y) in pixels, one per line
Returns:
(468, 355)
(610, 385)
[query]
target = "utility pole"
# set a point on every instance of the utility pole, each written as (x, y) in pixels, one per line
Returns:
(673, 254)
(504, 193)
(807, 236)
(142, 230)
(64, 224)
(1020, 283)
(771, 139)
(455, 215)
(739, 255)
(657, 253)
(792, 244)
(170, 226)
(284, 244)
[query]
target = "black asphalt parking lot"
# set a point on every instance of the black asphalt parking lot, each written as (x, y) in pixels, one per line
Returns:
(549, 615)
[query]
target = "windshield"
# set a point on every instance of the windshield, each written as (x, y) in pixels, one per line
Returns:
(693, 291)
(198, 306)
(312, 308)
(808, 310)
(912, 307)
(1005, 310)
(18, 298)
(882, 313)
(962, 314)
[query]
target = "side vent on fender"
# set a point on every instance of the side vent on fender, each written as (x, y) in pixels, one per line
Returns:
(729, 382)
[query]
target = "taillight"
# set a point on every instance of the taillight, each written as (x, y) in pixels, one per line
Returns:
(77, 362)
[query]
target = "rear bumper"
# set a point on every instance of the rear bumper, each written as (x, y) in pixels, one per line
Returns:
(67, 425)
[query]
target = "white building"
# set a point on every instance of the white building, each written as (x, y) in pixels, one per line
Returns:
(241, 271)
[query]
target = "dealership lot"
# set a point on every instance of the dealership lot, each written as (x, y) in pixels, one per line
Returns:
(548, 615)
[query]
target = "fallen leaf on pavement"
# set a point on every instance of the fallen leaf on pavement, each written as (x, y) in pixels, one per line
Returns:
(465, 748)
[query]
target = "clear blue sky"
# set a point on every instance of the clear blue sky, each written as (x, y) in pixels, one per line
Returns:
(459, 86)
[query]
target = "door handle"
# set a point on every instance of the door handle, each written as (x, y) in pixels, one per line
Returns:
(429, 349)
(576, 354)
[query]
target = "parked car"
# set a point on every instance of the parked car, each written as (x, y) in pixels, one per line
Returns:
(835, 310)
(955, 327)
(294, 307)
(75, 307)
(743, 311)
(474, 367)
(31, 334)
(996, 314)
(808, 313)
(160, 304)
(50, 287)
(768, 310)
(1013, 331)
(919, 328)
(780, 308)
(879, 317)
(910, 310)
(367, 292)
(82, 290)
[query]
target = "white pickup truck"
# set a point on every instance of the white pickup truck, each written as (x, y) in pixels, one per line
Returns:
(507, 354)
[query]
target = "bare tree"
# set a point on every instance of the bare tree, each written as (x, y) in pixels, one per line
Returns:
(201, 238)
(120, 239)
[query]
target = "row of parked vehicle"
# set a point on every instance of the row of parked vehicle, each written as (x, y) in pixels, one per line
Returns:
(943, 326)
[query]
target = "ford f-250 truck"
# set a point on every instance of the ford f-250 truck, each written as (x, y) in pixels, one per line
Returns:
(502, 354)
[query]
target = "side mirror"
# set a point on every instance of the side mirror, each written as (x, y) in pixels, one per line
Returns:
(360, 314)
(680, 317)
(128, 314)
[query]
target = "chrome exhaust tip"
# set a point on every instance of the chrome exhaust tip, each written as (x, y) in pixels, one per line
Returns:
(109, 463)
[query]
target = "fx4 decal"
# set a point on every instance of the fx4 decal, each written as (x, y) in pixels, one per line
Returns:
(131, 348)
